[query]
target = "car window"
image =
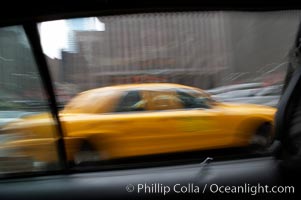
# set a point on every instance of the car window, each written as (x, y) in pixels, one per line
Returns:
(162, 100)
(161, 62)
(130, 102)
(104, 66)
(27, 129)
(193, 99)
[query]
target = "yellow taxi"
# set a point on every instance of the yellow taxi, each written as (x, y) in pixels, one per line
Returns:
(140, 119)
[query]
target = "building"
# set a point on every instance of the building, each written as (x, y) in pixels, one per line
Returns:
(205, 50)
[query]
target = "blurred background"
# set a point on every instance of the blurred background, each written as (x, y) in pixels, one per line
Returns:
(234, 56)
(201, 49)
(205, 50)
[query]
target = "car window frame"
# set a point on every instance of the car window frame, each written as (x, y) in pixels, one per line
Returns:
(30, 26)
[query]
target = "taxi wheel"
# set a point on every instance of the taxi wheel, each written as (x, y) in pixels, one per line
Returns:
(262, 139)
(86, 153)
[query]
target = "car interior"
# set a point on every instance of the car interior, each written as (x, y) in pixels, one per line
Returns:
(190, 174)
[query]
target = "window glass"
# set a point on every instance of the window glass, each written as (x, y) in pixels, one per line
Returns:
(193, 99)
(27, 130)
(130, 102)
(162, 100)
(226, 62)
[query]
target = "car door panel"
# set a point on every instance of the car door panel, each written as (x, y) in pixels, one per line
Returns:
(98, 185)
(199, 129)
(145, 135)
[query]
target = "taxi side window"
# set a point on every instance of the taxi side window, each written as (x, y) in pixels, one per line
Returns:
(163, 100)
(131, 101)
(192, 101)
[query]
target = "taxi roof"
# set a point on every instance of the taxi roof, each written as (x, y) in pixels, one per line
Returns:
(138, 86)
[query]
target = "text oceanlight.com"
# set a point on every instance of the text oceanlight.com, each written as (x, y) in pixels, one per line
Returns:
(191, 188)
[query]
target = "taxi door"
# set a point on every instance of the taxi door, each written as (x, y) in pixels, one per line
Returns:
(150, 127)
(162, 106)
(198, 123)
